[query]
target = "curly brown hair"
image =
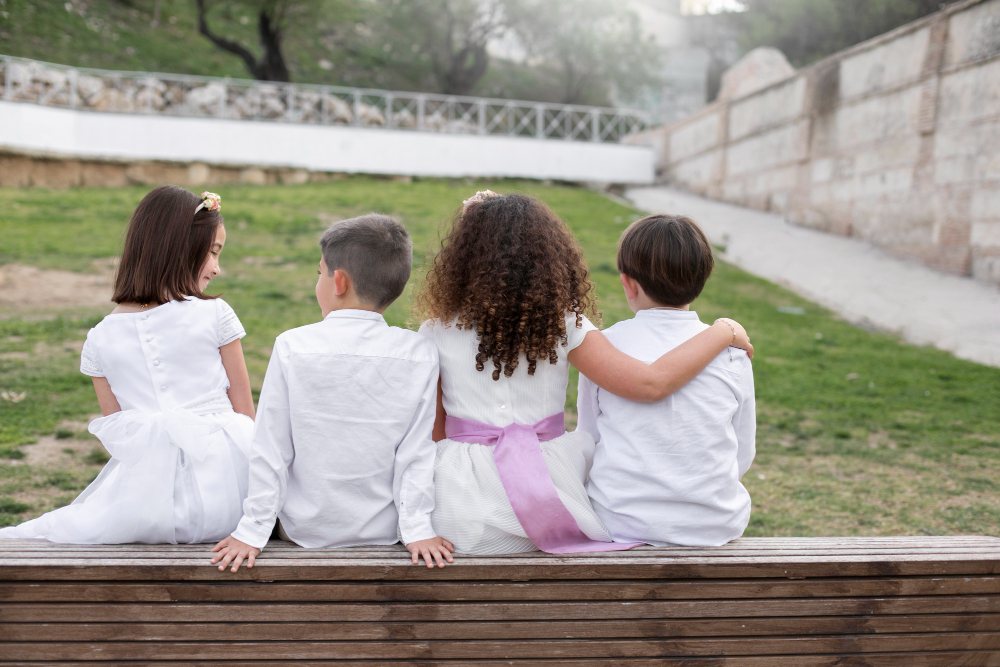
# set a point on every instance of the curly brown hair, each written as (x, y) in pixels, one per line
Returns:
(510, 270)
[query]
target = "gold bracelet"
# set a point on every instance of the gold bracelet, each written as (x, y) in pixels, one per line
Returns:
(730, 346)
(731, 327)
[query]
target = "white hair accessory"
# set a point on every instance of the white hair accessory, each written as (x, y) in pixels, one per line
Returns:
(210, 202)
(482, 195)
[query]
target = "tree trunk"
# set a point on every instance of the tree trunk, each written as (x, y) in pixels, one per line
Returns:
(462, 75)
(272, 66)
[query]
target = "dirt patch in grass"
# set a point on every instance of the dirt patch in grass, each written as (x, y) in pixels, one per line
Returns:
(29, 287)
(66, 448)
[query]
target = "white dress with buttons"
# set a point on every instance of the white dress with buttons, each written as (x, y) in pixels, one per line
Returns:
(179, 466)
(471, 507)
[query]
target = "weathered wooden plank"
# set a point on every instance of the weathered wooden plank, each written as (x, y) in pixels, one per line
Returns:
(743, 544)
(42, 557)
(506, 630)
(501, 649)
(511, 569)
(473, 611)
(916, 659)
(739, 543)
(469, 591)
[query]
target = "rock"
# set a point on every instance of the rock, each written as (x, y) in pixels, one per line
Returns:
(754, 71)
(371, 115)
(337, 110)
(205, 100)
(253, 176)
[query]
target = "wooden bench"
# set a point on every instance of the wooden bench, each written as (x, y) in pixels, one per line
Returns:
(899, 601)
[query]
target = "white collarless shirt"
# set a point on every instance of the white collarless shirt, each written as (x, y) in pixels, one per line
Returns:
(669, 472)
(342, 451)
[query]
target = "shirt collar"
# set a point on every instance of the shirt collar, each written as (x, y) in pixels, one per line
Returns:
(686, 315)
(354, 314)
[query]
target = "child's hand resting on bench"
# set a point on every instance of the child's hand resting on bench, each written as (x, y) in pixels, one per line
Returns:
(433, 549)
(231, 549)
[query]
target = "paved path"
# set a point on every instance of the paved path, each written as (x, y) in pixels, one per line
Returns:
(847, 275)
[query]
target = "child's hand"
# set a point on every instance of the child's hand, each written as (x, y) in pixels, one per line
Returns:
(438, 547)
(741, 338)
(231, 549)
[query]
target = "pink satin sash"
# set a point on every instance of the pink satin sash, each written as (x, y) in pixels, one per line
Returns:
(526, 479)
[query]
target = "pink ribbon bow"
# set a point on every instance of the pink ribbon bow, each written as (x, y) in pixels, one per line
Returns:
(528, 484)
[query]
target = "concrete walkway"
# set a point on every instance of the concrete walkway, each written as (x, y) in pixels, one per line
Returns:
(848, 276)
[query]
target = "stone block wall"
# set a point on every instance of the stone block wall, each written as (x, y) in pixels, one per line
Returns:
(896, 141)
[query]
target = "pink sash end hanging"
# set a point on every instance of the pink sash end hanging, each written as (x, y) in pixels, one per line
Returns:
(528, 484)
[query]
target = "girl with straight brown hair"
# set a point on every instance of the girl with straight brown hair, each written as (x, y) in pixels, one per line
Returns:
(172, 384)
(508, 299)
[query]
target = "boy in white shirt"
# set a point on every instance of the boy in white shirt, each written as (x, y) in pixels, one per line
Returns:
(669, 472)
(342, 452)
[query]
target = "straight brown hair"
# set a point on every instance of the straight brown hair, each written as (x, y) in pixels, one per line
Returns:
(669, 256)
(166, 245)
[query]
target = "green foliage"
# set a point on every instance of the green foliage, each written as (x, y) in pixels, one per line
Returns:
(588, 48)
(858, 432)
(580, 48)
(807, 30)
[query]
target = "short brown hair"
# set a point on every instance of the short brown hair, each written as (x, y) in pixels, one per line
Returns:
(669, 256)
(375, 251)
(165, 246)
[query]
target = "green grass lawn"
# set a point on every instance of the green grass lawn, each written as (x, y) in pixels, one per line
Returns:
(858, 433)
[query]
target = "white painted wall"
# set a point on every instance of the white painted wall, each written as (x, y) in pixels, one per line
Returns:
(88, 134)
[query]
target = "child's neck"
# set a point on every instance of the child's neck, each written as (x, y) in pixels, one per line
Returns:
(352, 303)
(642, 302)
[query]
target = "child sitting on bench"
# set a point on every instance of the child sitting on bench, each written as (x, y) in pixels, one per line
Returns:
(342, 454)
(507, 300)
(167, 365)
(669, 472)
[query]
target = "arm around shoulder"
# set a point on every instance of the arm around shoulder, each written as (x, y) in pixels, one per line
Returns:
(614, 371)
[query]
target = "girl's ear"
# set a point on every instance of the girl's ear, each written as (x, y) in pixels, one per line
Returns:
(341, 282)
(630, 285)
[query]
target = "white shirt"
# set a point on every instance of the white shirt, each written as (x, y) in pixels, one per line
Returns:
(342, 451)
(669, 472)
(520, 398)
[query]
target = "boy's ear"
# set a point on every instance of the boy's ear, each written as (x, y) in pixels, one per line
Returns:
(341, 282)
(630, 285)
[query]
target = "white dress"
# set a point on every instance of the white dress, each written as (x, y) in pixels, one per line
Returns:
(471, 507)
(179, 466)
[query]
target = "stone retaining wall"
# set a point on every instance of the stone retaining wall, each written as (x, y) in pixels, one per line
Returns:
(896, 141)
(19, 171)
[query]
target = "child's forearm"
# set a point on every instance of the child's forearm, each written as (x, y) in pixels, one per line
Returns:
(679, 366)
(613, 370)
(239, 379)
(105, 397)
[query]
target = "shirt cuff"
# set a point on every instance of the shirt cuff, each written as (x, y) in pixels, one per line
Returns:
(252, 532)
(416, 529)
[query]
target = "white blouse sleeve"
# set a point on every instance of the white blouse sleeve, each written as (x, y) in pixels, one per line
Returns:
(576, 334)
(88, 360)
(230, 328)
(427, 329)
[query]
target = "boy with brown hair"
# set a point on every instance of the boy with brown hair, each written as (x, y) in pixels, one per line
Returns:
(669, 472)
(342, 452)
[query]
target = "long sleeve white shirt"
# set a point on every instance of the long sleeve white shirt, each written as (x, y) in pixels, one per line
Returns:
(669, 472)
(342, 451)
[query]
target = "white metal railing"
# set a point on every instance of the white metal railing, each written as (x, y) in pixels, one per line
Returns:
(23, 80)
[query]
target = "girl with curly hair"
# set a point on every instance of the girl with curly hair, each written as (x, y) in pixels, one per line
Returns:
(507, 300)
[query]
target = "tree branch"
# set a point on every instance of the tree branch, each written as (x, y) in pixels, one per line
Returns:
(228, 45)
